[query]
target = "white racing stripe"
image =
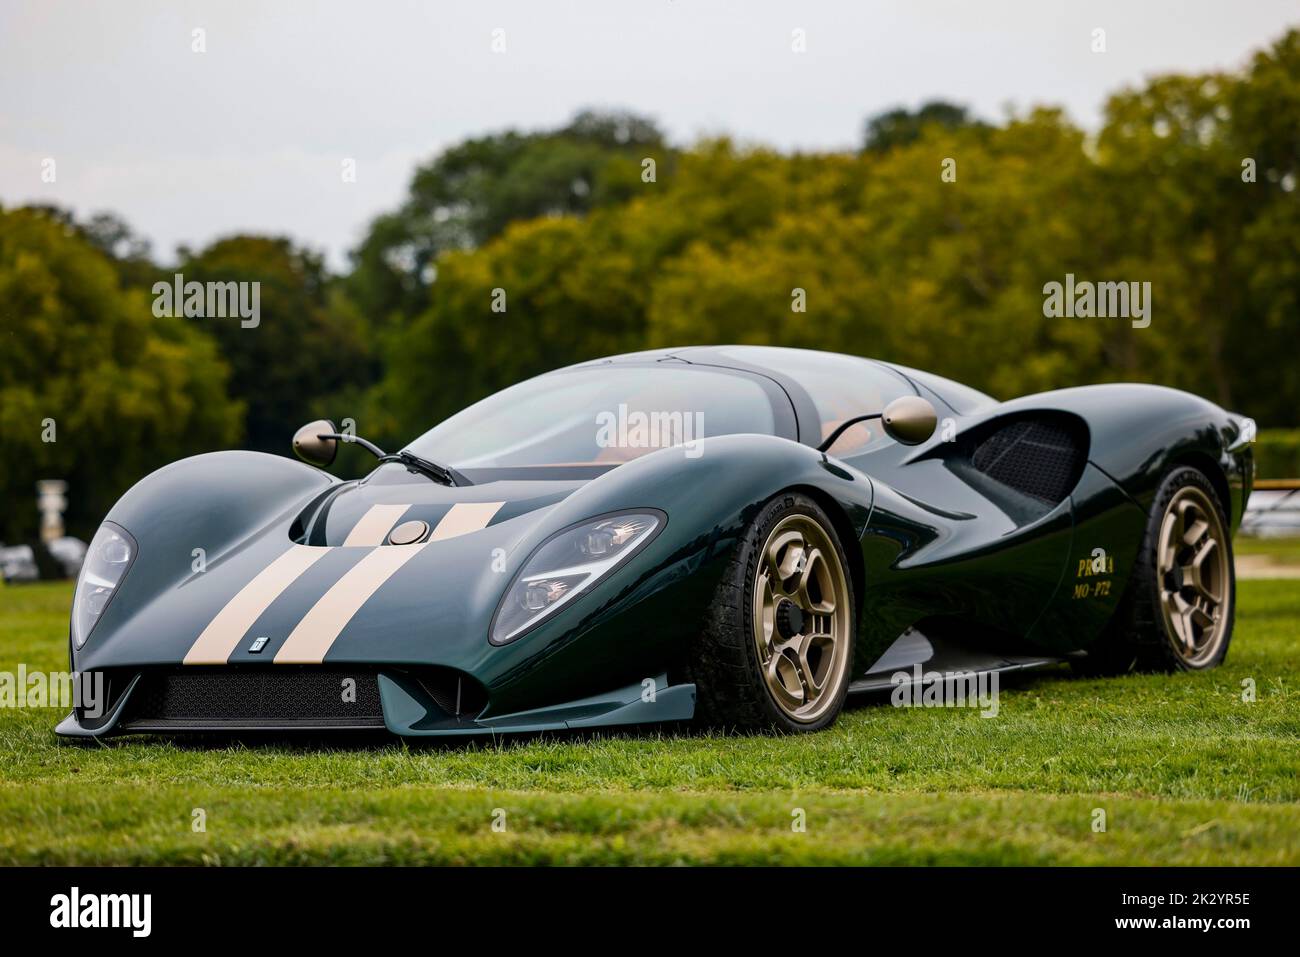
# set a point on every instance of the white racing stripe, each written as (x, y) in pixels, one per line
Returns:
(463, 518)
(223, 634)
(320, 627)
(316, 633)
(373, 527)
(312, 638)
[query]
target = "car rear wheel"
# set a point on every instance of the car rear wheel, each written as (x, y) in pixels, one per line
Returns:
(777, 650)
(1178, 611)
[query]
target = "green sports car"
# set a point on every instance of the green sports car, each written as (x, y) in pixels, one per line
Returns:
(737, 534)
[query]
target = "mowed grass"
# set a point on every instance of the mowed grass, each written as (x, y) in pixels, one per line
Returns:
(1185, 771)
(1279, 551)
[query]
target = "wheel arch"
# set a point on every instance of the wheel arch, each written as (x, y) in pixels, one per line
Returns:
(1212, 470)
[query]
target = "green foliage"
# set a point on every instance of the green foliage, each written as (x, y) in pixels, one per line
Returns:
(1221, 250)
(1277, 454)
(473, 191)
(893, 261)
(310, 342)
(901, 127)
(126, 392)
(899, 264)
(898, 261)
(931, 247)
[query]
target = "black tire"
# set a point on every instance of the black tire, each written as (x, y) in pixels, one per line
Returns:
(1138, 636)
(725, 664)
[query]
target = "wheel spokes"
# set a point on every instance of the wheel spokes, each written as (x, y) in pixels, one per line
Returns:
(1200, 572)
(802, 666)
(1194, 525)
(1203, 613)
(1193, 572)
(786, 680)
(1168, 535)
(785, 558)
(814, 592)
(1178, 607)
(800, 617)
(815, 651)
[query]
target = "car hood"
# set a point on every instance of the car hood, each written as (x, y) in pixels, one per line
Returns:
(322, 582)
(363, 512)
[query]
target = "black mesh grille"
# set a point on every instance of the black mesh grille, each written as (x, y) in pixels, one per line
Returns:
(251, 699)
(1039, 458)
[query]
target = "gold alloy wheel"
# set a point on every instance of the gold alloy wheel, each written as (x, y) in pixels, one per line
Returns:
(801, 618)
(1194, 577)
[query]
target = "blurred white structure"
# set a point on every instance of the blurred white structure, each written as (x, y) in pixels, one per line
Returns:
(51, 502)
(1272, 513)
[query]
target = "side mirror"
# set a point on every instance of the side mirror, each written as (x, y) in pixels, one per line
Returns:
(311, 448)
(909, 419)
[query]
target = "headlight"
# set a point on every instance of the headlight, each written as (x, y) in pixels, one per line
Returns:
(109, 556)
(568, 563)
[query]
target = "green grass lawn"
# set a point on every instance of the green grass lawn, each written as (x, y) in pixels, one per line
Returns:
(1280, 551)
(1185, 771)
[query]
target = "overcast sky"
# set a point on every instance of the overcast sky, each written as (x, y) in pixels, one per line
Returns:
(250, 135)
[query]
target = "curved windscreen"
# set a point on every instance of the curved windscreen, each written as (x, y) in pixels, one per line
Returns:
(599, 416)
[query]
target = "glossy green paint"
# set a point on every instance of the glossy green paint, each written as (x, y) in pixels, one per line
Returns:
(927, 539)
(408, 711)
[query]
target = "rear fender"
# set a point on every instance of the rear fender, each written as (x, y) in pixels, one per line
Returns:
(1139, 432)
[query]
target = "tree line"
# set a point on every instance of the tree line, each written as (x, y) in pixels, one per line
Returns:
(932, 245)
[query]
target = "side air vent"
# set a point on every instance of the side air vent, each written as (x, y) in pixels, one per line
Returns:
(454, 692)
(1041, 457)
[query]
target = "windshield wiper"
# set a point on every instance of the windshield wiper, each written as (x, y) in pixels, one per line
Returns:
(414, 463)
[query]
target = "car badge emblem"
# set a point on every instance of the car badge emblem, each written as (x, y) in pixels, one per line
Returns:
(258, 645)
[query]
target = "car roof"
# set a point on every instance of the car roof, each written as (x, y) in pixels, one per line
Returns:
(963, 399)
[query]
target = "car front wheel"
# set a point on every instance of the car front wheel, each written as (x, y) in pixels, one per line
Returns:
(777, 651)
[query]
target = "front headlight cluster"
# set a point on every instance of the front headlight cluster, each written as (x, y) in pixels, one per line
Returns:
(109, 556)
(568, 563)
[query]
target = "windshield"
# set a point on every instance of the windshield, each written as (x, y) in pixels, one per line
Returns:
(600, 416)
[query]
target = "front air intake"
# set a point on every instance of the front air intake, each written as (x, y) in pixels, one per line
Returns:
(251, 699)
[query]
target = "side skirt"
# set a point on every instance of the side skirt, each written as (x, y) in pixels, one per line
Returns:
(913, 649)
